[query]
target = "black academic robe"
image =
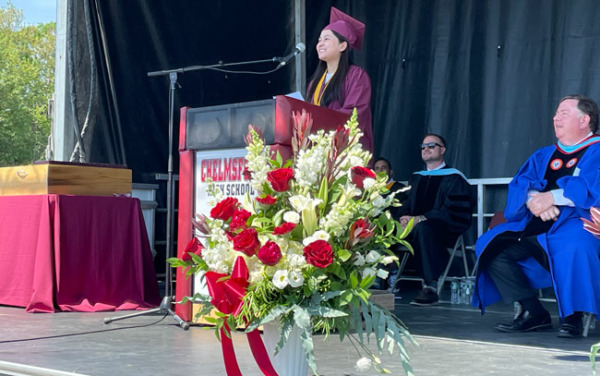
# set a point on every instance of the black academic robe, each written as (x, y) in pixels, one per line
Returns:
(442, 195)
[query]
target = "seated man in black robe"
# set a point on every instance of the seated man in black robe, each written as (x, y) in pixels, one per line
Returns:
(441, 203)
(383, 165)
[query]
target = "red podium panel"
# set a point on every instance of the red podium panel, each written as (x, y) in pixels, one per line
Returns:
(211, 144)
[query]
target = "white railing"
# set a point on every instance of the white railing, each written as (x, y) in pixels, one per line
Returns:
(480, 213)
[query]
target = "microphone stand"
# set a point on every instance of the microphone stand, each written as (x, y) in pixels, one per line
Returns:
(167, 301)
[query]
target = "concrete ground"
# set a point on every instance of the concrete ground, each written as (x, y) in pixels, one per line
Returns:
(453, 340)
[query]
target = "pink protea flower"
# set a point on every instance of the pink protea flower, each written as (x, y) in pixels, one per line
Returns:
(302, 124)
(593, 227)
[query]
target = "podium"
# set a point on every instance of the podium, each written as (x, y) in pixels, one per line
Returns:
(211, 145)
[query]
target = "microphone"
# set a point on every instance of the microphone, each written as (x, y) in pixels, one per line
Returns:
(300, 47)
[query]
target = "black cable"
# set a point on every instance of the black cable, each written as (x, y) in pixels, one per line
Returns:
(82, 333)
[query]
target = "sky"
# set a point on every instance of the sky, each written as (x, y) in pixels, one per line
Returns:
(34, 11)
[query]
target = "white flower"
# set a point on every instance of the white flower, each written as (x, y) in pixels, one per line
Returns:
(296, 279)
(379, 202)
(317, 235)
(300, 202)
(296, 260)
(306, 206)
(388, 260)
(291, 217)
(363, 364)
(280, 279)
(321, 235)
(372, 257)
(368, 183)
(382, 273)
(360, 259)
(367, 272)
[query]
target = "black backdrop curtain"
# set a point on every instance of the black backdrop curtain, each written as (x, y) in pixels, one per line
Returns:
(485, 74)
(135, 37)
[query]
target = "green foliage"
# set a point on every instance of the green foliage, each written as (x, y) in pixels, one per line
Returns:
(26, 86)
(593, 352)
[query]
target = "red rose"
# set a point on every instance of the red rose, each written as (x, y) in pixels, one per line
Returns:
(269, 254)
(359, 174)
(267, 200)
(284, 228)
(195, 247)
(225, 208)
(247, 174)
(280, 179)
(247, 242)
(318, 253)
(239, 219)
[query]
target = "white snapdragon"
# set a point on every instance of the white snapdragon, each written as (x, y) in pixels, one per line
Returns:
(337, 220)
(372, 257)
(388, 260)
(280, 279)
(291, 217)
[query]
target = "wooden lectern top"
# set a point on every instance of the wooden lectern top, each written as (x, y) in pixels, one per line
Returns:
(54, 177)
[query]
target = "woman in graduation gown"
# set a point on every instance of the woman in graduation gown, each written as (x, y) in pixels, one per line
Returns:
(337, 83)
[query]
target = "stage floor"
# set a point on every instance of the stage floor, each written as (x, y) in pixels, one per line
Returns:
(454, 340)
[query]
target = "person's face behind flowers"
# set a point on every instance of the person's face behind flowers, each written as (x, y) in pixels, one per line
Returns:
(329, 47)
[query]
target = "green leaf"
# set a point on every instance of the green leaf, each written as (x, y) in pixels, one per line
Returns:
(175, 262)
(367, 319)
(308, 346)
(593, 352)
(325, 312)
(367, 281)
(301, 317)
(344, 254)
(337, 269)
(323, 193)
(404, 233)
(354, 279)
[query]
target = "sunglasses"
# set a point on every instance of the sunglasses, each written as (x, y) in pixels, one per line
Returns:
(430, 145)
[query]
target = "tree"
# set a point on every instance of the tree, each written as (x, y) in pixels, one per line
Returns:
(26, 87)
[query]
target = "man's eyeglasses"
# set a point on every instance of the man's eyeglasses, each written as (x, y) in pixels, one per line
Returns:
(430, 145)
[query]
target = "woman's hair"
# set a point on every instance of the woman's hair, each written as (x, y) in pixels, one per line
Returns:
(335, 88)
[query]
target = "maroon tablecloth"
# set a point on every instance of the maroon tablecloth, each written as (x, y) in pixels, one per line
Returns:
(75, 253)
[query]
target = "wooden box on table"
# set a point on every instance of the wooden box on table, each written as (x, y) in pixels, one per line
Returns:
(50, 177)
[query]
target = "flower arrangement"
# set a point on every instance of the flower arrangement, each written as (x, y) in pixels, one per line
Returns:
(593, 227)
(307, 249)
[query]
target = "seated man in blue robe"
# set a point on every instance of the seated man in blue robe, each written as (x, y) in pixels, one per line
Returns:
(441, 203)
(543, 242)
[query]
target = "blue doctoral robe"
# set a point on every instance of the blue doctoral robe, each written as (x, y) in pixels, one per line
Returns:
(572, 251)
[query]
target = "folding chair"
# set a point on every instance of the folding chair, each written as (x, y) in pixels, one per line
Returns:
(460, 251)
(457, 250)
(399, 277)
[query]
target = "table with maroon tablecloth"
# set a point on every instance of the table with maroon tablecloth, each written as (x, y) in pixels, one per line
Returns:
(75, 253)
